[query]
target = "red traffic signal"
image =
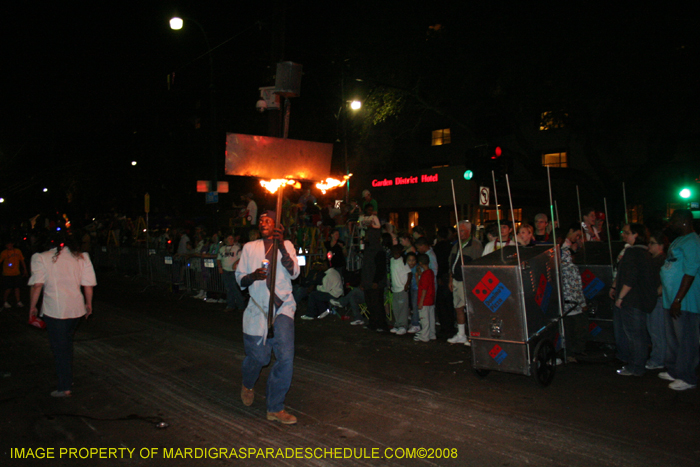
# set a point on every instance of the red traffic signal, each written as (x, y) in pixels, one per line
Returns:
(497, 153)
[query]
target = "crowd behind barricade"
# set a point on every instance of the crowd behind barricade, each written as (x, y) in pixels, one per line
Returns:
(368, 273)
(412, 284)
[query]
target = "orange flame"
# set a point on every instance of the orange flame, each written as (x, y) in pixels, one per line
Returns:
(332, 183)
(273, 185)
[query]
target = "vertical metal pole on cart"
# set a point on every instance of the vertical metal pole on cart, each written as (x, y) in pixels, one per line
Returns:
(624, 200)
(147, 206)
(580, 219)
(459, 240)
(498, 214)
(556, 211)
(607, 225)
(557, 259)
(517, 250)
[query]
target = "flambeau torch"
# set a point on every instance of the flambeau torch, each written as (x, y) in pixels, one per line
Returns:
(277, 186)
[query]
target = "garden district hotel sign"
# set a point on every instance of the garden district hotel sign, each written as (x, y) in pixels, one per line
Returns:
(406, 180)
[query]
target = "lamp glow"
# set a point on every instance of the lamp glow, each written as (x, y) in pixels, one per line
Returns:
(176, 23)
(355, 105)
(685, 193)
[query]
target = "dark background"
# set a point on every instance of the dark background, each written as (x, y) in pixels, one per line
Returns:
(86, 91)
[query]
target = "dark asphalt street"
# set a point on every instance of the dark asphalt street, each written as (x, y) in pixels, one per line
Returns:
(362, 398)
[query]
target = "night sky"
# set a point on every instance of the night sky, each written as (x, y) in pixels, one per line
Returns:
(85, 85)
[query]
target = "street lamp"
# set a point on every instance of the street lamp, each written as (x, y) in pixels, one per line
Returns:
(354, 105)
(176, 24)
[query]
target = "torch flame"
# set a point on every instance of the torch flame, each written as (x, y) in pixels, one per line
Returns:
(332, 183)
(273, 185)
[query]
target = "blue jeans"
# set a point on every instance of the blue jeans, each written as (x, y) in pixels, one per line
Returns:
(682, 355)
(415, 316)
(318, 303)
(354, 298)
(61, 333)
(258, 355)
(621, 346)
(234, 296)
(634, 322)
(656, 324)
(400, 308)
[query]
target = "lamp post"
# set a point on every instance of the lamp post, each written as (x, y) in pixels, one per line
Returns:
(354, 105)
(177, 23)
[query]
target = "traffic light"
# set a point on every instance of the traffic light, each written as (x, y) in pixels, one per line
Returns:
(498, 163)
(685, 193)
(482, 160)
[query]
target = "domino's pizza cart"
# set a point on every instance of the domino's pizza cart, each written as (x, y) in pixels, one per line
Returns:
(514, 314)
(594, 262)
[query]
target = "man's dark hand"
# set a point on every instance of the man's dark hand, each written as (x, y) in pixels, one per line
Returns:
(675, 310)
(278, 234)
(259, 274)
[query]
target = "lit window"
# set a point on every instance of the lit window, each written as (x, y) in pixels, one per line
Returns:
(555, 159)
(441, 137)
(394, 219)
(491, 215)
(412, 220)
(552, 120)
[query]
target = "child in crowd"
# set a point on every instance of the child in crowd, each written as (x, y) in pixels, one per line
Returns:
(426, 300)
(11, 259)
(400, 285)
(412, 262)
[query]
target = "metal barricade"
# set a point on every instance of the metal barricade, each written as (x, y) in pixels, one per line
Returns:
(203, 274)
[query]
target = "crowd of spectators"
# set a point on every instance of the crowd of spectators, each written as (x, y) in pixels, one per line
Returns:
(417, 274)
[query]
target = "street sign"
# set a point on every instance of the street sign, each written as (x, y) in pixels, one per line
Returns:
(484, 193)
(212, 197)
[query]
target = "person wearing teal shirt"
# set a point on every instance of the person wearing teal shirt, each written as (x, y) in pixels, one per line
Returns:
(681, 297)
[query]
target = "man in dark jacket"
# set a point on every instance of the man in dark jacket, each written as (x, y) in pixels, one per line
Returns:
(373, 279)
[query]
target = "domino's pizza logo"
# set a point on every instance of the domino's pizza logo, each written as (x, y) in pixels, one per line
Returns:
(591, 284)
(594, 329)
(498, 354)
(491, 292)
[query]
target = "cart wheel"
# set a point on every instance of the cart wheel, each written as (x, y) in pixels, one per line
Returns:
(482, 373)
(544, 362)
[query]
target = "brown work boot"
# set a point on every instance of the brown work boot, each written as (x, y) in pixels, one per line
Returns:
(247, 396)
(282, 417)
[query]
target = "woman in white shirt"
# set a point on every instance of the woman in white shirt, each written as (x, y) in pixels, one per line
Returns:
(61, 272)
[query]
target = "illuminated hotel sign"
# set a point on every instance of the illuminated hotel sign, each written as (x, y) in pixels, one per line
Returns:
(406, 180)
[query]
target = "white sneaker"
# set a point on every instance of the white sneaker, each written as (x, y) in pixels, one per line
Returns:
(307, 317)
(357, 322)
(666, 376)
(7, 305)
(20, 304)
(468, 343)
(413, 329)
(324, 314)
(680, 385)
(400, 331)
(335, 302)
(393, 330)
(458, 339)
